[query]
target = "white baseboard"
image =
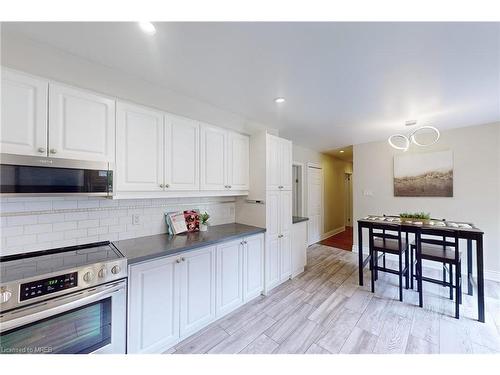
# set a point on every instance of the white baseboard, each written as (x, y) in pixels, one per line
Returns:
(488, 274)
(332, 233)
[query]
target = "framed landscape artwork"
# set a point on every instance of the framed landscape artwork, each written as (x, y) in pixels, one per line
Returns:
(424, 175)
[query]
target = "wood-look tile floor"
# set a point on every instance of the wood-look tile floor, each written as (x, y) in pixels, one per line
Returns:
(325, 311)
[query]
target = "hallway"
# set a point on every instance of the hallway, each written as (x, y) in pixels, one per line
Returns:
(342, 240)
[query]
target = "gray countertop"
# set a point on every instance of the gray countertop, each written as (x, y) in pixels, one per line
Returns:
(299, 219)
(160, 245)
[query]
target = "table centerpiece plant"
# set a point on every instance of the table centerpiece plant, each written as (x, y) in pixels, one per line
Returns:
(416, 216)
(204, 221)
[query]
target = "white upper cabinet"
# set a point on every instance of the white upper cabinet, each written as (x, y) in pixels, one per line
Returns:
(81, 124)
(182, 158)
(278, 163)
(213, 158)
(238, 161)
(139, 148)
(286, 164)
(24, 114)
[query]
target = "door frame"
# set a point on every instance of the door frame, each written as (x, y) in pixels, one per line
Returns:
(302, 209)
(322, 202)
(348, 198)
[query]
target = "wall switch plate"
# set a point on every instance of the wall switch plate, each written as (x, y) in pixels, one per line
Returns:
(368, 193)
(136, 219)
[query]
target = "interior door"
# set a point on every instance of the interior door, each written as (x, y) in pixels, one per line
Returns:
(81, 124)
(229, 276)
(24, 114)
(139, 148)
(197, 290)
(315, 204)
(213, 158)
(238, 161)
(153, 306)
(182, 159)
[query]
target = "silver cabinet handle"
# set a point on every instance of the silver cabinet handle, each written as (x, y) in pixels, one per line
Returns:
(161, 185)
(167, 186)
(177, 260)
(53, 151)
(41, 150)
(183, 259)
(229, 186)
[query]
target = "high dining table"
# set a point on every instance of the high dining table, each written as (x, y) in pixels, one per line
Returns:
(467, 231)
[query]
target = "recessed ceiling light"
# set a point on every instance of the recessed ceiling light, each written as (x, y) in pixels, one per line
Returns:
(279, 100)
(341, 151)
(148, 28)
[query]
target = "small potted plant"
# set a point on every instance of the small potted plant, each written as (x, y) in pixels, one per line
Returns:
(204, 221)
(416, 216)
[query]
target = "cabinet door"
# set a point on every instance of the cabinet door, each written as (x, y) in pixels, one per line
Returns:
(197, 293)
(286, 164)
(182, 159)
(273, 162)
(153, 306)
(213, 158)
(238, 161)
(139, 148)
(273, 212)
(229, 277)
(285, 245)
(253, 267)
(285, 210)
(24, 114)
(81, 124)
(272, 257)
(299, 248)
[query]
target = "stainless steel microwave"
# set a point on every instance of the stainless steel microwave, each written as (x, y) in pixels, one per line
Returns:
(37, 176)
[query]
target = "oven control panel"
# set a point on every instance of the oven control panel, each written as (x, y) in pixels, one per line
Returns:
(39, 288)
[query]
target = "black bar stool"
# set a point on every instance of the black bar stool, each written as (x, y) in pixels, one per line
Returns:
(388, 240)
(442, 249)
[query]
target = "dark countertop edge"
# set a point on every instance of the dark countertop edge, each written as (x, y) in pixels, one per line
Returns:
(161, 254)
(299, 219)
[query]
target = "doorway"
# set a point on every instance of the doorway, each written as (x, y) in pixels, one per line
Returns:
(314, 202)
(297, 189)
(348, 199)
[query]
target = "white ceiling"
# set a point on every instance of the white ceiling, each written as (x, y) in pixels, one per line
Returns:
(345, 83)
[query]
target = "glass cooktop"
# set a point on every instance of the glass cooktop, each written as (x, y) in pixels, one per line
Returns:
(23, 266)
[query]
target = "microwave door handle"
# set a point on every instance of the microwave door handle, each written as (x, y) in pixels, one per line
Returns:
(65, 305)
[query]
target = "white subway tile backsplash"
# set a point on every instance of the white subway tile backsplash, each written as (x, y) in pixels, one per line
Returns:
(37, 223)
(65, 226)
(88, 223)
(75, 233)
(37, 228)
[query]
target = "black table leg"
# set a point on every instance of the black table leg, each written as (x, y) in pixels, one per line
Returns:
(480, 279)
(418, 251)
(469, 268)
(360, 254)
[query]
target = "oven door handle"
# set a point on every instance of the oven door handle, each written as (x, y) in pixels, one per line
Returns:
(62, 304)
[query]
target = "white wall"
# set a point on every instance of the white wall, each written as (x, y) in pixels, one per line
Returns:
(21, 53)
(476, 174)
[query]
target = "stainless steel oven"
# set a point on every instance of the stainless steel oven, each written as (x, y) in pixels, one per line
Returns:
(89, 321)
(32, 175)
(65, 300)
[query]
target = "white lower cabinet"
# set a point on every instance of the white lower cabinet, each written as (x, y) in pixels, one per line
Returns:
(253, 267)
(153, 306)
(229, 277)
(285, 257)
(299, 247)
(172, 298)
(197, 290)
